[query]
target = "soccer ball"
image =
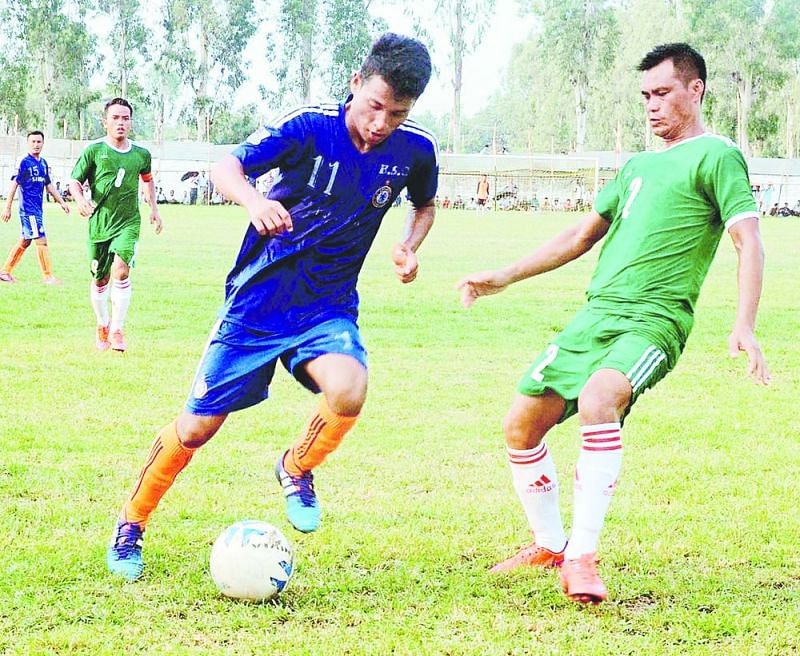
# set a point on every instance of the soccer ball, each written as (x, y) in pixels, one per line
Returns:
(251, 560)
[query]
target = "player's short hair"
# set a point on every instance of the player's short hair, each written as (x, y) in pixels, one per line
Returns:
(404, 64)
(39, 132)
(117, 101)
(689, 63)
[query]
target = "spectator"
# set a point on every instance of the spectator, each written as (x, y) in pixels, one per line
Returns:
(785, 210)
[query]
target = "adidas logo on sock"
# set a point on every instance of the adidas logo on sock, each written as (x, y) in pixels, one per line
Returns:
(541, 485)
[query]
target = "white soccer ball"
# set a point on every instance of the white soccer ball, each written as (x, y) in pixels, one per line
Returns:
(251, 560)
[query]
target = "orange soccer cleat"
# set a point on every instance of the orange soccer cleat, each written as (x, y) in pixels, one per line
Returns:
(531, 556)
(101, 338)
(580, 580)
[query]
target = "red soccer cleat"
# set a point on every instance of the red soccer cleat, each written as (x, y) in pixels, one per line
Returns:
(580, 580)
(118, 341)
(531, 556)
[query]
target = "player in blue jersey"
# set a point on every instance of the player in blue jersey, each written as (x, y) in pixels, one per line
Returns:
(291, 296)
(32, 178)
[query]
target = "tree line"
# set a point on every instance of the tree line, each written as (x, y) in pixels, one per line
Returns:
(571, 86)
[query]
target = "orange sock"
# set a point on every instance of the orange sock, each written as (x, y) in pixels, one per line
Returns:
(324, 432)
(14, 256)
(43, 254)
(166, 460)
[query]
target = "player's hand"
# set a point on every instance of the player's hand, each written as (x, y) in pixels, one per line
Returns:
(484, 283)
(742, 339)
(85, 207)
(155, 219)
(405, 261)
(269, 217)
(6, 215)
(65, 208)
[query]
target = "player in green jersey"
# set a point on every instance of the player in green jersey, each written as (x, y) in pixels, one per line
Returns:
(113, 166)
(662, 216)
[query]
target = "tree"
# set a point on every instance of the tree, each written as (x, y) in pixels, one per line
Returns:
(300, 24)
(206, 40)
(466, 22)
(748, 49)
(579, 37)
(127, 39)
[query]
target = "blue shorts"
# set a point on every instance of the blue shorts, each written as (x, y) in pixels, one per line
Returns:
(239, 363)
(32, 226)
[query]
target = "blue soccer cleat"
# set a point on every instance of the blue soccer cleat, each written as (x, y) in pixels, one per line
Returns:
(302, 507)
(124, 556)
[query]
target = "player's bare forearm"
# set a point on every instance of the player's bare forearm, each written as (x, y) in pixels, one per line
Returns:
(750, 250)
(12, 192)
(150, 197)
(229, 179)
(566, 246)
(269, 217)
(51, 188)
(419, 223)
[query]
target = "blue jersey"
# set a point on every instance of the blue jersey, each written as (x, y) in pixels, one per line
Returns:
(32, 177)
(337, 197)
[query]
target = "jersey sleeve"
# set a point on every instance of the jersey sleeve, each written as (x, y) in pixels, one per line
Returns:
(607, 202)
(84, 167)
(423, 179)
(20, 175)
(147, 165)
(275, 144)
(730, 188)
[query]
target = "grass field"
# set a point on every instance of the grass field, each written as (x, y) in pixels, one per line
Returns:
(700, 551)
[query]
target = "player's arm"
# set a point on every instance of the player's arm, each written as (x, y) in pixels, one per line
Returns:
(51, 189)
(150, 199)
(404, 253)
(85, 206)
(561, 249)
(747, 241)
(269, 217)
(12, 192)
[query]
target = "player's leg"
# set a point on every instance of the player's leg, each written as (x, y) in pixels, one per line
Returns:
(228, 378)
(601, 406)
(43, 255)
(329, 359)
(534, 477)
(100, 260)
(17, 251)
(121, 292)
(631, 365)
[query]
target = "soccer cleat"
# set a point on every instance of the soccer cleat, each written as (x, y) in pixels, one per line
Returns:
(531, 556)
(580, 580)
(302, 507)
(101, 338)
(124, 556)
(52, 280)
(118, 341)
(5, 276)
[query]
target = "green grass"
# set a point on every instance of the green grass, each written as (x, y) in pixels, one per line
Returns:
(700, 546)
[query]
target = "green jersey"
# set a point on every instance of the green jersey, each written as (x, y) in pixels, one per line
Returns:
(113, 177)
(668, 210)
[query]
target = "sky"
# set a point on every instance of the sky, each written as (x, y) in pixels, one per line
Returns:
(483, 69)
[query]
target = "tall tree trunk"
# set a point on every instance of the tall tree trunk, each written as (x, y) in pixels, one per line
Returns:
(202, 86)
(123, 81)
(458, 68)
(744, 97)
(48, 78)
(307, 66)
(581, 91)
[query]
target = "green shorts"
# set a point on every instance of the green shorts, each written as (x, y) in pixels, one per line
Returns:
(644, 350)
(101, 253)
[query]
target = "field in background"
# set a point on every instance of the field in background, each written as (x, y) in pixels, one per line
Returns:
(700, 548)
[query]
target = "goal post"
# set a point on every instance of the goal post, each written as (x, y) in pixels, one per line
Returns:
(520, 181)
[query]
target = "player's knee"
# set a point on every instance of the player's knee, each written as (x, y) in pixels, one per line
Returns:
(346, 396)
(520, 432)
(194, 430)
(597, 406)
(24, 243)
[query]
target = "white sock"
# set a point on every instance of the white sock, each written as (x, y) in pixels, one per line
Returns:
(596, 476)
(99, 299)
(534, 475)
(120, 300)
